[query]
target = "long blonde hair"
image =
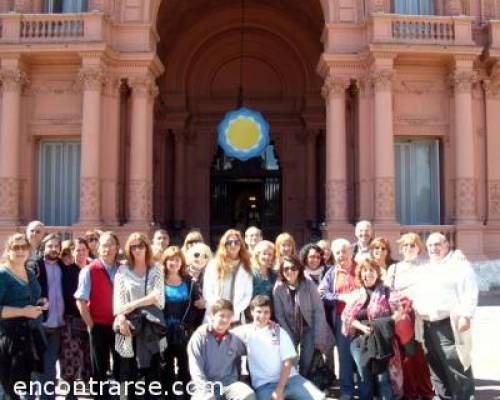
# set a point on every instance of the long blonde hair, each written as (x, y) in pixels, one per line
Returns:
(222, 258)
(281, 239)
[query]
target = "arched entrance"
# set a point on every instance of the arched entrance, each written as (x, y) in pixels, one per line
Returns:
(200, 48)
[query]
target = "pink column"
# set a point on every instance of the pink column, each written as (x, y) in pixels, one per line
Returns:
(12, 82)
(383, 145)
(140, 187)
(179, 197)
(110, 157)
(465, 181)
(90, 185)
(336, 174)
(311, 159)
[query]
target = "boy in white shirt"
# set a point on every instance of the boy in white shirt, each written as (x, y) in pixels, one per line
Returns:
(271, 357)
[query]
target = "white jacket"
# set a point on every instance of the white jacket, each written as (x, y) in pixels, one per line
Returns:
(214, 289)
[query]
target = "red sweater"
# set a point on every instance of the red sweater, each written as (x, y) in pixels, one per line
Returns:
(101, 294)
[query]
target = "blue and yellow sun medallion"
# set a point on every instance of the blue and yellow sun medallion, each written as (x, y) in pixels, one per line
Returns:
(243, 134)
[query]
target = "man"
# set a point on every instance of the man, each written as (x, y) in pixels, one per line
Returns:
(94, 299)
(50, 270)
(253, 235)
(271, 357)
(214, 356)
(446, 303)
(364, 236)
(161, 240)
(35, 231)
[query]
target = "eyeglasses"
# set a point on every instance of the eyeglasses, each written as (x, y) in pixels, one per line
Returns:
(288, 269)
(380, 248)
(92, 239)
(140, 246)
(235, 242)
(18, 247)
(198, 255)
(410, 245)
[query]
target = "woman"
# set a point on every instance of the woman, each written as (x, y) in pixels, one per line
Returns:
(66, 255)
(138, 283)
(370, 314)
(336, 290)
(182, 300)
(22, 342)
(75, 346)
(192, 238)
(311, 256)
(264, 277)
(380, 251)
(326, 246)
(197, 258)
(299, 311)
(284, 245)
(92, 237)
(401, 278)
(228, 275)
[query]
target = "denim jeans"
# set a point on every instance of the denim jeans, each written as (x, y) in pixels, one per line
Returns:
(50, 358)
(346, 362)
(297, 388)
(369, 381)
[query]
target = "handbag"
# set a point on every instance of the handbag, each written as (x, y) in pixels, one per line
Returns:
(319, 373)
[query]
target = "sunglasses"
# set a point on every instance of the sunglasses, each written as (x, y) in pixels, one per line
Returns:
(288, 269)
(18, 247)
(92, 239)
(140, 246)
(380, 248)
(198, 255)
(235, 242)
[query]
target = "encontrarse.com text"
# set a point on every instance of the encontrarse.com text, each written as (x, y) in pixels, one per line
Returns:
(114, 388)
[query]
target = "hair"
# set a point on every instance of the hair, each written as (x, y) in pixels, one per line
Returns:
(191, 238)
(325, 243)
(222, 258)
(261, 300)
(161, 232)
(9, 243)
(364, 264)
(297, 264)
(220, 305)
(304, 252)
(35, 223)
(172, 252)
(411, 237)
(144, 239)
(93, 232)
(338, 244)
(198, 248)
(282, 238)
(380, 241)
(67, 246)
(442, 238)
(363, 224)
(79, 240)
(260, 247)
(247, 231)
(49, 237)
(113, 236)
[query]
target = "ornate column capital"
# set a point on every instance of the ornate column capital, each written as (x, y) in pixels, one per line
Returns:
(462, 81)
(13, 79)
(112, 86)
(381, 78)
(91, 77)
(334, 85)
(491, 87)
(364, 86)
(143, 86)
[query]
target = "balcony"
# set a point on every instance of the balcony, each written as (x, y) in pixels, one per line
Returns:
(52, 28)
(421, 29)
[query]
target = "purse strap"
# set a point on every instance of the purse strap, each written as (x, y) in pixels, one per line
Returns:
(146, 282)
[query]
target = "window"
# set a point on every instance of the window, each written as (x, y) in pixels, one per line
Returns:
(414, 7)
(417, 182)
(59, 182)
(65, 6)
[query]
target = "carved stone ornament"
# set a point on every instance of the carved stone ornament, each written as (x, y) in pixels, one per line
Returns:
(334, 86)
(382, 79)
(494, 198)
(140, 201)
(465, 195)
(112, 86)
(13, 79)
(92, 78)
(143, 86)
(9, 199)
(89, 199)
(336, 200)
(463, 81)
(385, 198)
(491, 87)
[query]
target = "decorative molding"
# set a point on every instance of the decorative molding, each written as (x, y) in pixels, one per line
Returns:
(112, 86)
(382, 79)
(9, 199)
(385, 199)
(90, 199)
(334, 86)
(140, 201)
(13, 79)
(364, 87)
(465, 197)
(336, 200)
(143, 86)
(55, 87)
(462, 81)
(494, 198)
(491, 88)
(92, 78)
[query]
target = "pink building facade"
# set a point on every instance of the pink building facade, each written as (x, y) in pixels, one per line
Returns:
(380, 110)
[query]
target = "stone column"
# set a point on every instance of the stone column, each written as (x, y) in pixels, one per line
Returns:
(12, 83)
(110, 154)
(90, 179)
(140, 187)
(311, 159)
(179, 197)
(383, 145)
(465, 181)
(492, 91)
(336, 166)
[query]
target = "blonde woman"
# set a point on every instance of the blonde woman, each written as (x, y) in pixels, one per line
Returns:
(264, 277)
(197, 258)
(284, 245)
(326, 246)
(228, 276)
(191, 239)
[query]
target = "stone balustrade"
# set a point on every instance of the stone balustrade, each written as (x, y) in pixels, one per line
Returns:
(421, 29)
(52, 28)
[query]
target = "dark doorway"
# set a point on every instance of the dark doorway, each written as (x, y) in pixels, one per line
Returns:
(244, 194)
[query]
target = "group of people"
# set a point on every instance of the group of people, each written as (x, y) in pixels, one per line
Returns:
(153, 312)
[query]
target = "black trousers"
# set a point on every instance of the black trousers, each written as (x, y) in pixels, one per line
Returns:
(179, 352)
(448, 376)
(102, 346)
(129, 372)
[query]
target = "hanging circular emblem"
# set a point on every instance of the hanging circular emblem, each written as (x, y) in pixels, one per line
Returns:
(243, 134)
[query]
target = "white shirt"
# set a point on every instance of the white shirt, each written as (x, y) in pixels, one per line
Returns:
(266, 352)
(446, 287)
(402, 276)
